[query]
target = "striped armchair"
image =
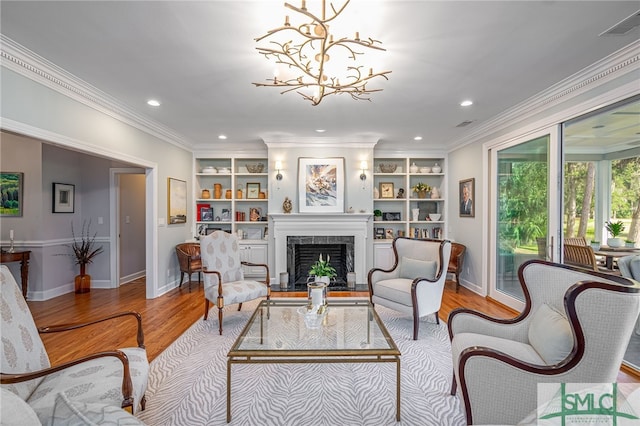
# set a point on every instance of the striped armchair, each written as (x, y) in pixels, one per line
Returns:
(575, 328)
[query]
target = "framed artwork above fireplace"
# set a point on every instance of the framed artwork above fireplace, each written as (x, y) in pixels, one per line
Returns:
(321, 185)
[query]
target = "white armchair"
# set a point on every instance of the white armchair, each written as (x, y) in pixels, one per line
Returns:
(223, 275)
(102, 387)
(574, 328)
(415, 283)
(630, 268)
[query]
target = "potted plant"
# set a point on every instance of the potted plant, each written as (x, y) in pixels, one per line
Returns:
(595, 245)
(421, 189)
(629, 243)
(615, 229)
(84, 250)
(322, 270)
(377, 214)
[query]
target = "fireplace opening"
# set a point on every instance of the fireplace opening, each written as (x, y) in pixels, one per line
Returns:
(302, 252)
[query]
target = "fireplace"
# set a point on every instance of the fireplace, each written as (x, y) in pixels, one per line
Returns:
(303, 251)
(340, 229)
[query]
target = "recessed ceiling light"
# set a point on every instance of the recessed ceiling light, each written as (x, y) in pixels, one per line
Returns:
(222, 137)
(320, 130)
(466, 103)
(153, 102)
(417, 138)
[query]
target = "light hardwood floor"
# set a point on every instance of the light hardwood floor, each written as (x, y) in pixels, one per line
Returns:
(167, 317)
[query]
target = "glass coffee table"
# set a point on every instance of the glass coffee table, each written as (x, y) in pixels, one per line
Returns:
(281, 331)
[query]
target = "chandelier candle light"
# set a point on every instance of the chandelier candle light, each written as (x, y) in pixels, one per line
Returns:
(310, 55)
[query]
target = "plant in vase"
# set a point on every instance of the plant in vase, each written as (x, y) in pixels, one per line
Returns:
(629, 243)
(322, 270)
(615, 229)
(377, 214)
(421, 189)
(84, 250)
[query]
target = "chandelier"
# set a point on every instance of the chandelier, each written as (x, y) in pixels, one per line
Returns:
(309, 56)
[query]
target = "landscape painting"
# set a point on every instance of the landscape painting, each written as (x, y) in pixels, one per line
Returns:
(321, 185)
(11, 193)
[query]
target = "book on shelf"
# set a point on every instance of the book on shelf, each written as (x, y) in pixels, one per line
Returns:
(240, 216)
(206, 214)
(198, 211)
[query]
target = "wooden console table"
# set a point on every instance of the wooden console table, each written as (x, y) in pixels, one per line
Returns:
(23, 258)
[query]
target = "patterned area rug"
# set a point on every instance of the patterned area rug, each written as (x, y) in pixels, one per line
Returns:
(187, 383)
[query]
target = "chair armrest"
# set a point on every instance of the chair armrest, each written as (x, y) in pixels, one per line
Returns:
(264, 265)
(127, 384)
(66, 327)
(499, 389)
(462, 320)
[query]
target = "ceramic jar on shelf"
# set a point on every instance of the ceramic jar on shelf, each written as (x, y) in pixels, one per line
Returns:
(436, 168)
(413, 168)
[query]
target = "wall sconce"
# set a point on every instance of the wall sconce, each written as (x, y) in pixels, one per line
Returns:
(363, 167)
(278, 168)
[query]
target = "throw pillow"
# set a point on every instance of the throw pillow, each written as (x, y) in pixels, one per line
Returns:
(414, 268)
(550, 335)
(75, 413)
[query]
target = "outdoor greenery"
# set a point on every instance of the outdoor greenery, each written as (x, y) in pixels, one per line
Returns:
(523, 202)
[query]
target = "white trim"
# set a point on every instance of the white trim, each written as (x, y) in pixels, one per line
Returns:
(23, 61)
(624, 61)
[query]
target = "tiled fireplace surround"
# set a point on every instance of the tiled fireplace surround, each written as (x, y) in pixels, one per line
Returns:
(326, 225)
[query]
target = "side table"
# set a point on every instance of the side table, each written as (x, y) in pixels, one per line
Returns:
(23, 258)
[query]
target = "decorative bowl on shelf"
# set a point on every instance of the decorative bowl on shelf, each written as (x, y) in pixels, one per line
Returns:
(425, 169)
(209, 170)
(224, 170)
(388, 168)
(255, 168)
(434, 216)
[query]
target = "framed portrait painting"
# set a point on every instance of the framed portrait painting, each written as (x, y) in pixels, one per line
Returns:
(11, 191)
(321, 185)
(467, 194)
(177, 201)
(64, 195)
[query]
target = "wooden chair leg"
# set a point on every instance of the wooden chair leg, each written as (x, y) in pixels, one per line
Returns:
(416, 325)
(437, 318)
(220, 319)
(181, 278)
(457, 282)
(239, 306)
(454, 385)
(206, 309)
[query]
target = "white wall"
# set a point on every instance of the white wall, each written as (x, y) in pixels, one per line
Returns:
(75, 125)
(132, 225)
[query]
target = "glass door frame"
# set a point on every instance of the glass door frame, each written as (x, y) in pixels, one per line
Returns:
(554, 205)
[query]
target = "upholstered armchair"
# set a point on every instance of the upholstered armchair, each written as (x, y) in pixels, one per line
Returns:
(415, 283)
(223, 275)
(575, 328)
(456, 261)
(189, 261)
(98, 386)
(630, 267)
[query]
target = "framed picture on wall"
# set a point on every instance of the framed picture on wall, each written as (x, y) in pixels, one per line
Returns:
(321, 185)
(63, 197)
(11, 188)
(467, 189)
(176, 201)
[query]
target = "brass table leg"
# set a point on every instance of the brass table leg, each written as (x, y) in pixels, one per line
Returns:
(397, 389)
(228, 390)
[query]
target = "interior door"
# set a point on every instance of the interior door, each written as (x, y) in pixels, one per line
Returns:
(524, 193)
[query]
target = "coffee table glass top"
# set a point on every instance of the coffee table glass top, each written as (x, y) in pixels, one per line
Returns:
(349, 328)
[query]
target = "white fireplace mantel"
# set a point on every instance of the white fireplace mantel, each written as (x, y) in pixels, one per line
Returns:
(309, 224)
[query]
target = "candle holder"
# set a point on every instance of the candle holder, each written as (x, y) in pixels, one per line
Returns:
(12, 249)
(317, 294)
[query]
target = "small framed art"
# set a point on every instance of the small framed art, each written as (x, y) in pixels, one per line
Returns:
(386, 190)
(253, 190)
(63, 197)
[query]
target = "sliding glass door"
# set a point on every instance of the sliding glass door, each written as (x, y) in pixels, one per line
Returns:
(522, 202)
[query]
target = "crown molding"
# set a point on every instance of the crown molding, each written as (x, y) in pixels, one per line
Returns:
(368, 142)
(23, 61)
(616, 65)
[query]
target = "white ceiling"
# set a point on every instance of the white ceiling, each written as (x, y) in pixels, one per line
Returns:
(199, 59)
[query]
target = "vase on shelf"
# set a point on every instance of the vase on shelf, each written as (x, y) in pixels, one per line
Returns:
(422, 194)
(217, 191)
(415, 213)
(413, 168)
(435, 193)
(436, 168)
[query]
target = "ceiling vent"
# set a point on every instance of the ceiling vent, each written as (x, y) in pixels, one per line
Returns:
(465, 123)
(624, 26)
